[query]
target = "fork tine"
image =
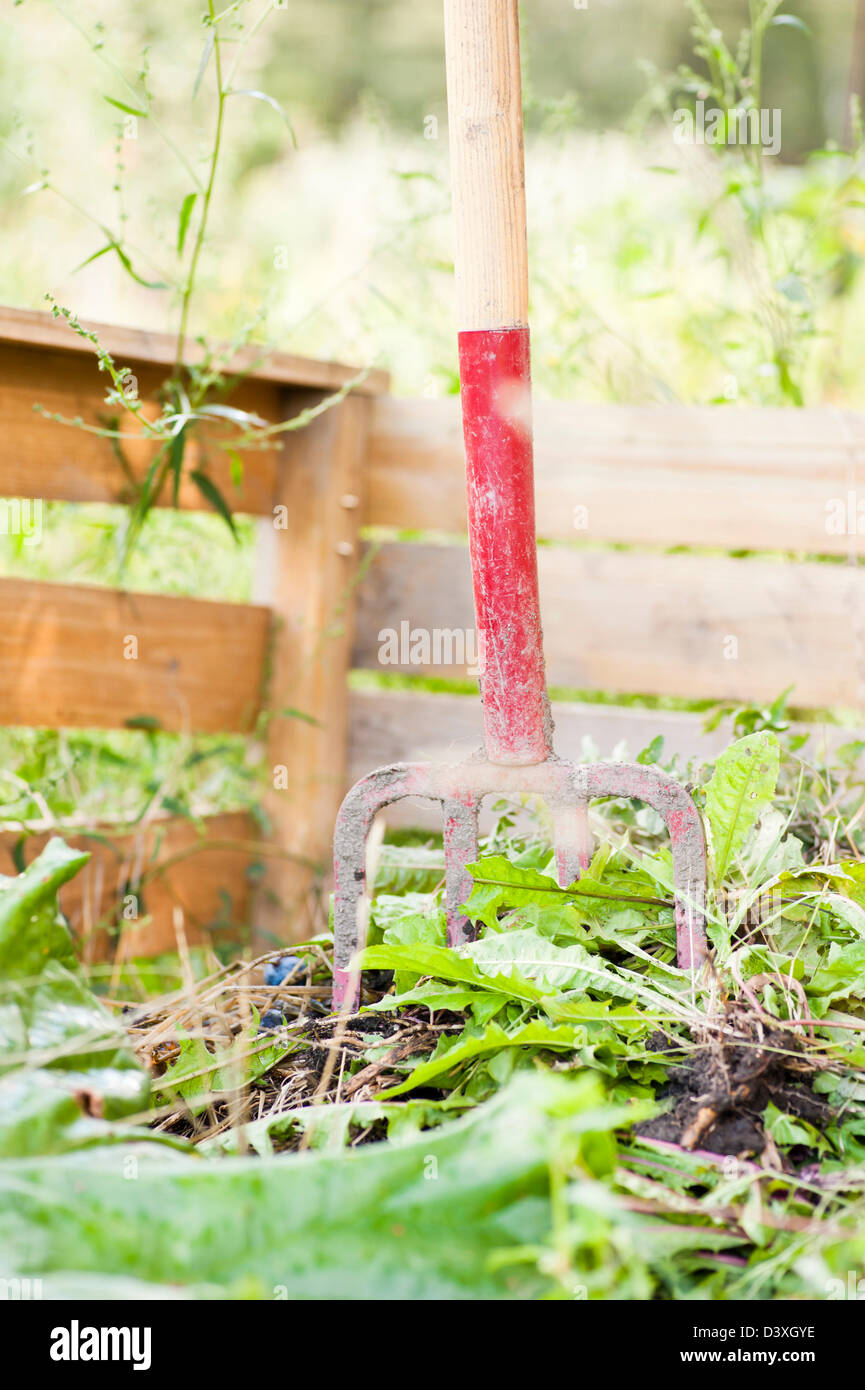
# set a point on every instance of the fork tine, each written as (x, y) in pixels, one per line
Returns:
(461, 848)
(573, 842)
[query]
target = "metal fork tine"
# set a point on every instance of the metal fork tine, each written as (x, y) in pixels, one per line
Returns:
(573, 842)
(461, 848)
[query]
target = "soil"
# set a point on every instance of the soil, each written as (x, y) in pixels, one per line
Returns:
(719, 1095)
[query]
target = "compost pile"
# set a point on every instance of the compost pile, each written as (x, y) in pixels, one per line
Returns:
(552, 1110)
(321, 1058)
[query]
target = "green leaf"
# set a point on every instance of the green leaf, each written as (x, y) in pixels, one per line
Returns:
(133, 274)
(289, 712)
(32, 931)
(236, 465)
(103, 251)
(231, 412)
(148, 722)
(130, 110)
(787, 1130)
(527, 956)
(126, 263)
(451, 1053)
(205, 59)
(330, 1126)
(652, 753)
(333, 1224)
(500, 885)
(445, 964)
(434, 995)
(271, 101)
(208, 489)
(63, 1056)
(842, 974)
(183, 221)
(409, 929)
(741, 788)
(200, 1077)
(522, 965)
(406, 869)
(175, 461)
(790, 21)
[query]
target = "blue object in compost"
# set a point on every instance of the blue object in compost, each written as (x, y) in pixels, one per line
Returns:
(276, 971)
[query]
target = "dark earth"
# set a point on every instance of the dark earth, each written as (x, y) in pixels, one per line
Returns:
(718, 1096)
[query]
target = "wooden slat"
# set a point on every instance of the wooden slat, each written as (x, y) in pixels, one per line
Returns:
(399, 725)
(41, 458)
(202, 870)
(310, 575)
(134, 345)
(642, 623)
(62, 662)
(713, 476)
(389, 726)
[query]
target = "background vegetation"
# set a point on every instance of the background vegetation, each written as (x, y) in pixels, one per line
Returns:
(660, 272)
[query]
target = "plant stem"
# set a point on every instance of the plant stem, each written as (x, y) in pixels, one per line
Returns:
(208, 194)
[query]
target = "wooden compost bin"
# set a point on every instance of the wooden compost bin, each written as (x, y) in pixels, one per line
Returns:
(699, 624)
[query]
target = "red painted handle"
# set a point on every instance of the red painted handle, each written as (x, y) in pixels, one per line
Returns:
(495, 380)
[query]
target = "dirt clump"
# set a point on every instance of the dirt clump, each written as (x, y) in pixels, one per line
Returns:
(719, 1095)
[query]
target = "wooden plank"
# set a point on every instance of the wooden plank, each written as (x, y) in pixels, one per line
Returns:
(406, 726)
(131, 346)
(135, 879)
(67, 658)
(755, 478)
(312, 572)
(389, 726)
(42, 458)
(694, 626)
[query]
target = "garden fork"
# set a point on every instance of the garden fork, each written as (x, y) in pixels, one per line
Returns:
(486, 146)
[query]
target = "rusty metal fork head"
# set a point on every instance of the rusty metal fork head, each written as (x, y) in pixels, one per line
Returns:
(567, 788)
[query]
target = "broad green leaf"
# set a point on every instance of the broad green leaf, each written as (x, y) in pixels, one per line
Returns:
(789, 1129)
(451, 1053)
(526, 955)
(330, 1126)
(32, 930)
(410, 929)
(408, 869)
(65, 1061)
(842, 974)
(445, 964)
(200, 1076)
(417, 928)
(499, 885)
(741, 788)
(363, 1223)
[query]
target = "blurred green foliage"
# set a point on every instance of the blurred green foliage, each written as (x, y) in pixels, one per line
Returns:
(660, 272)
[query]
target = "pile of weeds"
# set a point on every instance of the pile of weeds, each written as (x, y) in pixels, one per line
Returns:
(552, 1110)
